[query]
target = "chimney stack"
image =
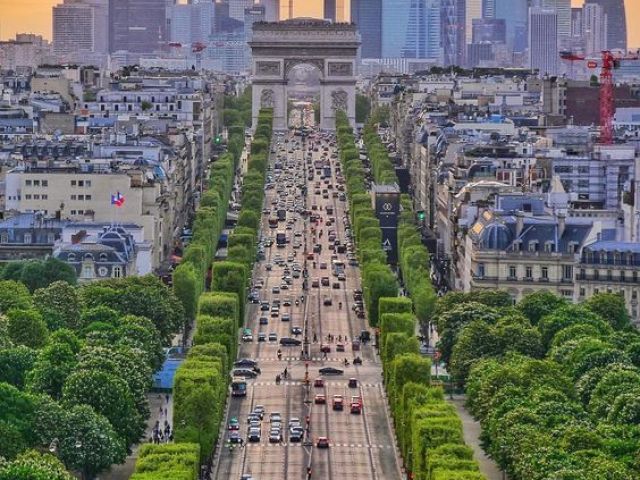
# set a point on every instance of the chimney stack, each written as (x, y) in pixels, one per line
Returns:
(519, 222)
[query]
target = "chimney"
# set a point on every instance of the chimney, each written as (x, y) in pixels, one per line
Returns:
(519, 222)
(562, 223)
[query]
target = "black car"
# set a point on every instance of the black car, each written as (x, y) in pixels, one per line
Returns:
(246, 363)
(296, 330)
(290, 342)
(330, 371)
(244, 372)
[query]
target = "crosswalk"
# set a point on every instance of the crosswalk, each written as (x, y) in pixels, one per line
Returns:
(297, 383)
(297, 359)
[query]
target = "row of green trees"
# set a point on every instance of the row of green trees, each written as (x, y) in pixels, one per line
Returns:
(382, 169)
(556, 386)
(201, 382)
(428, 429)
(178, 461)
(377, 278)
(75, 366)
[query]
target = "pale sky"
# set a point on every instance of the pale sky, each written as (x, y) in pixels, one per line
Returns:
(34, 16)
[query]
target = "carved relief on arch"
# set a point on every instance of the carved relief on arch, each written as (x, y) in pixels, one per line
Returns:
(293, 62)
(267, 98)
(339, 99)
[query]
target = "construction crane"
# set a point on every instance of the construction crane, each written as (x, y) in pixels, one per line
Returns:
(608, 63)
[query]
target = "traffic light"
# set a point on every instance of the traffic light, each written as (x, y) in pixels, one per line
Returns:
(421, 215)
(218, 139)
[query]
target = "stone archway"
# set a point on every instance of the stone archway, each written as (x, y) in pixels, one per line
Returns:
(278, 47)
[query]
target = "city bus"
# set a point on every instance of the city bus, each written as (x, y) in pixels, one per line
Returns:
(238, 387)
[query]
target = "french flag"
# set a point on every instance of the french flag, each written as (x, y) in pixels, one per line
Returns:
(117, 199)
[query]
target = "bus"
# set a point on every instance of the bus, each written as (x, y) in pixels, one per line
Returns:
(273, 222)
(337, 266)
(238, 387)
(281, 239)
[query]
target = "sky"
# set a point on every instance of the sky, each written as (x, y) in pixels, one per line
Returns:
(34, 16)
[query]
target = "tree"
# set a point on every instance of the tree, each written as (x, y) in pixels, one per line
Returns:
(538, 304)
(33, 465)
(110, 396)
(15, 363)
(476, 340)
(54, 364)
(611, 307)
(169, 460)
(61, 298)
(363, 108)
(26, 327)
(13, 295)
(186, 288)
(17, 415)
(140, 332)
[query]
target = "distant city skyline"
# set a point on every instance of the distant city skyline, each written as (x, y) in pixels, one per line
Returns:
(35, 16)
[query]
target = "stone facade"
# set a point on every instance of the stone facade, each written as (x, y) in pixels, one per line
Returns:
(278, 47)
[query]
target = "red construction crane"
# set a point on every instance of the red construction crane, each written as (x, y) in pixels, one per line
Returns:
(608, 63)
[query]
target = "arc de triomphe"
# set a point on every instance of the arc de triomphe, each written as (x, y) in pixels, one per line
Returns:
(277, 47)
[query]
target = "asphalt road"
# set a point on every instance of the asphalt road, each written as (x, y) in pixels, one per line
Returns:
(361, 446)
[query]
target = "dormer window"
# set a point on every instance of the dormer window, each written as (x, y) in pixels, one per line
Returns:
(533, 246)
(27, 238)
(104, 257)
(4, 238)
(549, 247)
(71, 257)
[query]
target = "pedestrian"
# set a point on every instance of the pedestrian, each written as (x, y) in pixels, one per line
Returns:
(167, 397)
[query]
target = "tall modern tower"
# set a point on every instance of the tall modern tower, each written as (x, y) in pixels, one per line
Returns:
(543, 40)
(514, 13)
(563, 10)
(330, 10)
(73, 28)
(237, 7)
(411, 29)
(594, 29)
(137, 26)
(272, 10)
(616, 23)
(473, 12)
(367, 15)
(453, 25)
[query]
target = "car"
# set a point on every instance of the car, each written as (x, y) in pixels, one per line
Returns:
(330, 371)
(253, 417)
(294, 422)
(340, 347)
(264, 307)
(342, 277)
(336, 285)
(254, 434)
(247, 337)
(234, 424)
(337, 403)
(325, 281)
(284, 286)
(262, 337)
(259, 410)
(325, 348)
(275, 312)
(264, 321)
(275, 417)
(273, 337)
(275, 435)
(234, 437)
(286, 302)
(296, 434)
(318, 382)
(322, 442)
(353, 383)
(327, 301)
(285, 317)
(320, 399)
(355, 345)
(246, 363)
(323, 266)
(296, 330)
(244, 372)
(275, 290)
(290, 342)
(315, 283)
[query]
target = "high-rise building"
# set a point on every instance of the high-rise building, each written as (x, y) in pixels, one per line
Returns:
(543, 40)
(272, 10)
(514, 13)
(330, 10)
(73, 28)
(616, 23)
(237, 8)
(191, 23)
(411, 29)
(594, 29)
(452, 21)
(137, 26)
(473, 12)
(367, 15)
(489, 30)
(563, 10)
(488, 8)
(100, 25)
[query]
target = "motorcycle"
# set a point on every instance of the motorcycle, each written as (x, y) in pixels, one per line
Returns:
(277, 379)
(357, 361)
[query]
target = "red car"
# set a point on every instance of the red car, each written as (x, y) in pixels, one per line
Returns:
(318, 382)
(325, 349)
(320, 399)
(323, 442)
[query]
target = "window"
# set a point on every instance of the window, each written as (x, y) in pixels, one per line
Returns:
(567, 272)
(45, 196)
(582, 292)
(548, 247)
(512, 271)
(481, 270)
(567, 293)
(73, 197)
(4, 238)
(104, 257)
(36, 197)
(634, 295)
(71, 257)
(27, 238)
(80, 212)
(73, 183)
(87, 197)
(544, 273)
(533, 246)
(27, 196)
(87, 271)
(81, 183)
(609, 275)
(117, 271)
(80, 197)
(103, 271)
(73, 212)
(87, 183)
(623, 277)
(528, 272)
(634, 275)
(583, 183)
(36, 183)
(596, 274)
(51, 238)
(27, 183)
(596, 291)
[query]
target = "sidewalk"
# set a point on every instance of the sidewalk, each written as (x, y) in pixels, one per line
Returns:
(156, 401)
(471, 431)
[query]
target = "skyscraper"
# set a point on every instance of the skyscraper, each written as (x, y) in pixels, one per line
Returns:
(594, 29)
(73, 28)
(271, 9)
(367, 15)
(138, 26)
(543, 40)
(563, 10)
(514, 13)
(191, 23)
(473, 12)
(411, 29)
(616, 23)
(330, 10)
(237, 7)
(452, 18)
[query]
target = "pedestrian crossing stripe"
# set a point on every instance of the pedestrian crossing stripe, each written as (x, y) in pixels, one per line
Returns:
(297, 359)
